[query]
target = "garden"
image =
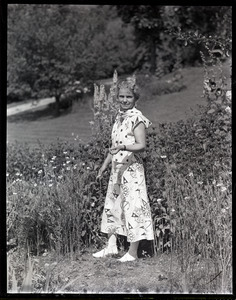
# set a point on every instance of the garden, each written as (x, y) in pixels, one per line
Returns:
(55, 203)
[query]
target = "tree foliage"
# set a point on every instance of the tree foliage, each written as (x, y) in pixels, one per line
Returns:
(50, 46)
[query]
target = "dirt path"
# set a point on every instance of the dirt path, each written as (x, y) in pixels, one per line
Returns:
(12, 110)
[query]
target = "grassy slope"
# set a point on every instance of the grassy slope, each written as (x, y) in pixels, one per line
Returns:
(166, 108)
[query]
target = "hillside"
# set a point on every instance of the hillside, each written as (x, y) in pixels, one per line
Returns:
(37, 125)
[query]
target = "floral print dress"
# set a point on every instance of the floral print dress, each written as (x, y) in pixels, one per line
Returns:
(126, 209)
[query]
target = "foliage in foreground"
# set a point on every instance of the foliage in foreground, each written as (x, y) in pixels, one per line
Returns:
(55, 202)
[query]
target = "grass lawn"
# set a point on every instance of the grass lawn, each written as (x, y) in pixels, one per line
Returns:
(41, 125)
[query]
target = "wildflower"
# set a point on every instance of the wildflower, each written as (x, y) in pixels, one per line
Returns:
(54, 167)
(218, 92)
(46, 265)
(173, 210)
(159, 200)
(58, 209)
(186, 198)
(50, 185)
(190, 174)
(163, 156)
(14, 193)
(40, 171)
(68, 168)
(93, 204)
(67, 157)
(228, 109)
(17, 179)
(214, 182)
(60, 176)
(68, 161)
(85, 90)
(7, 174)
(53, 157)
(64, 164)
(223, 210)
(223, 189)
(83, 164)
(35, 184)
(200, 182)
(212, 85)
(17, 174)
(228, 95)
(219, 184)
(33, 168)
(65, 152)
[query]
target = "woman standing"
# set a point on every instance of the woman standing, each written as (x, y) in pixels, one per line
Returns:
(126, 210)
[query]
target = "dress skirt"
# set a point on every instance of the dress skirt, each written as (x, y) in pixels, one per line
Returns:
(126, 209)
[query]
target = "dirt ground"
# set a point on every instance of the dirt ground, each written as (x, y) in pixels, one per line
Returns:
(86, 274)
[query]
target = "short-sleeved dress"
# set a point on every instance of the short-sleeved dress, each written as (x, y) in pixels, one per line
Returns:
(126, 209)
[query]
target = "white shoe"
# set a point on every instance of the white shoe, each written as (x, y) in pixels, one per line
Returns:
(127, 257)
(106, 251)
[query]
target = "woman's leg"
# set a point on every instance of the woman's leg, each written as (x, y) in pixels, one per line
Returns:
(132, 254)
(111, 247)
(133, 249)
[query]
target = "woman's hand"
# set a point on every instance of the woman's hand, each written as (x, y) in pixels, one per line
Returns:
(100, 172)
(116, 149)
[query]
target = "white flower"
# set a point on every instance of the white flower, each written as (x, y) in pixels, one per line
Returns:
(228, 109)
(83, 164)
(219, 184)
(200, 182)
(54, 167)
(223, 189)
(60, 176)
(17, 174)
(50, 185)
(228, 95)
(53, 157)
(190, 174)
(88, 168)
(7, 174)
(67, 157)
(14, 193)
(65, 152)
(68, 168)
(159, 200)
(35, 184)
(186, 198)
(173, 210)
(223, 210)
(68, 161)
(63, 164)
(163, 156)
(40, 171)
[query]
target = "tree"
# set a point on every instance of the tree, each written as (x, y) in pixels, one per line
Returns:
(39, 47)
(148, 24)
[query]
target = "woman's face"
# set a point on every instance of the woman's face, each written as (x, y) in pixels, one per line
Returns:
(126, 99)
